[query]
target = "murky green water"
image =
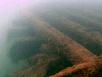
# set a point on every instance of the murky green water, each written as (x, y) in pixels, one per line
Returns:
(21, 41)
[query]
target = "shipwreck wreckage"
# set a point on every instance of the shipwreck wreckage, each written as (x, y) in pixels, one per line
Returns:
(85, 63)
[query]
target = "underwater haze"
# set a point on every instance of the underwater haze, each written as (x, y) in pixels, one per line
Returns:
(22, 42)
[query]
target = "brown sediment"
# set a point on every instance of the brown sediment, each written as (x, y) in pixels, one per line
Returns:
(80, 54)
(86, 64)
(39, 69)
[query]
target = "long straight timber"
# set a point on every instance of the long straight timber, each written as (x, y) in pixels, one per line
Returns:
(74, 51)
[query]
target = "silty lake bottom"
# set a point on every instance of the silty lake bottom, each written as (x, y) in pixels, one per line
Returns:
(52, 35)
